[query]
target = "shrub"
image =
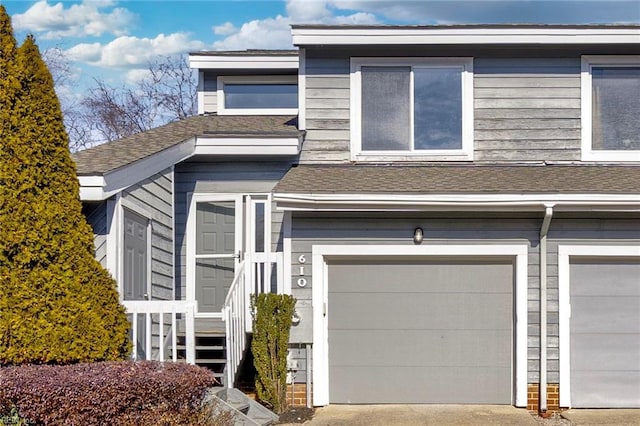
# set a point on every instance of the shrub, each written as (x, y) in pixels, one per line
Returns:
(123, 393)
(271, 326)
(57, 303)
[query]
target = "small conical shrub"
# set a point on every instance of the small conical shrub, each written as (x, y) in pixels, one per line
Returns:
(272, 315)
(57, 303)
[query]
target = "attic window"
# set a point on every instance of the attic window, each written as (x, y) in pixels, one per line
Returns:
(247, 95)
(610, 108)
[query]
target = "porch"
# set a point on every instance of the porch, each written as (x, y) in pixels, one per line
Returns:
(174, 330)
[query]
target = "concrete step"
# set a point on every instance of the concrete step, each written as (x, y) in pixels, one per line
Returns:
(252, 412)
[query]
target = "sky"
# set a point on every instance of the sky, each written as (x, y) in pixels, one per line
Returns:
(115, 40)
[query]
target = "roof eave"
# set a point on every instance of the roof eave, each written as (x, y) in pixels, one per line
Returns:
(454, 35)
(457, 202)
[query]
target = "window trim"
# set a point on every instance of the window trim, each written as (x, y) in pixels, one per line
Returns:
(463, 154)
(587, 63)
(266, 79)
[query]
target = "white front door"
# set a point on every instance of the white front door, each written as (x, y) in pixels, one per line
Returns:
(213, 248)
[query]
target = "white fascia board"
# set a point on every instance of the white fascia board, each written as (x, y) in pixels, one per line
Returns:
(247, 146)
(96, 188)
(232, 62)
(446, 202)
(391, 36)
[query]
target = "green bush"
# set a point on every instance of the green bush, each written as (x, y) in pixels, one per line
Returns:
(271, 326)
(57, 303)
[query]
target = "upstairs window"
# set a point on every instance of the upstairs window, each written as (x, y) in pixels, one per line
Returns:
(247, 95)
(610, 108)
(412, 109)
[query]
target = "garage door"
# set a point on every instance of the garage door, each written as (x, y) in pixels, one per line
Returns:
(605, 333)
(420, 332)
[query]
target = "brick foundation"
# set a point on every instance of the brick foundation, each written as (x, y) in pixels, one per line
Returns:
(297, 395)
(553, 397)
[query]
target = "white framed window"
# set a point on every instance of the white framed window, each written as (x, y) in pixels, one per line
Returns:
(257, 95)
(610, 91)
(411, 109)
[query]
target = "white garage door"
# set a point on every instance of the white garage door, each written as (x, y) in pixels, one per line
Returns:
(605, 333)
(420, 332)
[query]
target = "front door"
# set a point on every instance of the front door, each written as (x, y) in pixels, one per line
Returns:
(135, 269)
(216, 251)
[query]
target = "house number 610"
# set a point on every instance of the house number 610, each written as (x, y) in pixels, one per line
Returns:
(302, 282)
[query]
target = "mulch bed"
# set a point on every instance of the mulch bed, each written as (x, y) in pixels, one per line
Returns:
(296, 415)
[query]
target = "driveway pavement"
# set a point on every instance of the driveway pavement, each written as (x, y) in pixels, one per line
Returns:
(603, 417)
(413, 415)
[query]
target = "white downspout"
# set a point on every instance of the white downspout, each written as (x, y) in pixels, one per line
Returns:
(546, 222)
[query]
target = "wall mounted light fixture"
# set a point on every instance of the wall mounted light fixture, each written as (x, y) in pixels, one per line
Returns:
(418, 235)
(295, 318)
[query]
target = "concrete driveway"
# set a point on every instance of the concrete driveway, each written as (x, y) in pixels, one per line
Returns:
(384, 415)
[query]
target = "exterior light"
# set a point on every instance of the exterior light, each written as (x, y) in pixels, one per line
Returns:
(295, 318)
(418, 235)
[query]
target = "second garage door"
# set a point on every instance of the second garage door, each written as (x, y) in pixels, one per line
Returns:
(412, 331)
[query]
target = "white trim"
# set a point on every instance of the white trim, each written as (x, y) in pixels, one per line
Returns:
(302, 90)
(465, 153)
(420, 202)
(247, 146)
(287, 250)
(192, 200)
(565, 253)
(258, 79)
(320, 293)
(201, 93)
(334, 36)
(588, 61)
(113, 221)
(235, 62)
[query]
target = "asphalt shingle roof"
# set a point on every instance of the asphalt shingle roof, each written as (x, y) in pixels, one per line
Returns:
(356, 179)
(113, 155)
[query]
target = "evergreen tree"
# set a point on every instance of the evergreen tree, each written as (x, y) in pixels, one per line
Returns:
(57, 303)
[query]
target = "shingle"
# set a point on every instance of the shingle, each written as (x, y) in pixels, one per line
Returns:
(113, 155)
(470, 179)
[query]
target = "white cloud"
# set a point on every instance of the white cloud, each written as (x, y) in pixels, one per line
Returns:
(225, 29)
(134, 76)
(52, 21)
(131, 52)
(275, 33)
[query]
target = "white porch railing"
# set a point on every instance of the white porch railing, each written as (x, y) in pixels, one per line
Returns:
(156, 324)
(157, 332)
(257, 273)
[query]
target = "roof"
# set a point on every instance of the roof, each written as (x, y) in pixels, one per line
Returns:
(464, 26)
(248, 52)
(500, 34)
(114, 155)
(460, 179)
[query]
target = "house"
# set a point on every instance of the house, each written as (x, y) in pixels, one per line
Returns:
(455, 208)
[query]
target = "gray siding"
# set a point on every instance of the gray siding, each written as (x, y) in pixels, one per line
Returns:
(307, 231)
(221, 178)
(210, 87)
(327, 110)
(526, 109)
(96, 214)
(155, 196)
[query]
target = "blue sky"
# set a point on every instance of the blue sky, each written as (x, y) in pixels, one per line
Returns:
(116, 39)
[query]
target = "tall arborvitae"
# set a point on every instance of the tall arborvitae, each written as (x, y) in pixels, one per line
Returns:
(58, 305)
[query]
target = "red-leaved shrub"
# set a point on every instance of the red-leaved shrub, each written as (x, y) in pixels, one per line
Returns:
(103, 393)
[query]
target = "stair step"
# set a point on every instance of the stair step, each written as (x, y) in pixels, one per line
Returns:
(210, 361)
(202, 347)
